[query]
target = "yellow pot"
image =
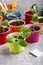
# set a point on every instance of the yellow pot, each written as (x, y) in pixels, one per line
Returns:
(41, 24)
(15, 47)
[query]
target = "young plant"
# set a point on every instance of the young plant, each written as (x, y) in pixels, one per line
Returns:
(35, 18)
(35, 8)
(5, 24)
(4, 11)
(20, 38)
(15, 15)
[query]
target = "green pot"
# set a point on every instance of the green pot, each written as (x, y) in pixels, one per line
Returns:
(15, 47)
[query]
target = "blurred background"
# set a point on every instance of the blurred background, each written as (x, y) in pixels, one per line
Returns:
(24, 4)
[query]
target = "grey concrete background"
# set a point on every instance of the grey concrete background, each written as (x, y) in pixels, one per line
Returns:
(25, 4)
(24, 58)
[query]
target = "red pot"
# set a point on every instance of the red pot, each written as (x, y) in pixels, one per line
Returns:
(28, 17)
(3, 37)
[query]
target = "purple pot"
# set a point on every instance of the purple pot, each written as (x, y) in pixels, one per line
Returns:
(35, 35)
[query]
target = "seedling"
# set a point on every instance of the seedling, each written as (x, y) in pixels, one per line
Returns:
(15, 15)
(35, 18)
(4, 26)
(35, 8)
(20, 38)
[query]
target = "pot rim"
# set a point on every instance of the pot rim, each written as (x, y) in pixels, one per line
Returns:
(25, 12)
(13, 13)
(39, 17)
(0, 17)
(15, 21)
(12, 34)
(29, 25)
(6, 31)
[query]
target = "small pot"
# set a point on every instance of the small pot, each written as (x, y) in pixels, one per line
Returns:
(14, 13)
(28, 17)
(35, 35)
(41, 23)
(40, 11)
(9, 6)
(15, 47)
(15, 28)
(3, 37)
(0, 20)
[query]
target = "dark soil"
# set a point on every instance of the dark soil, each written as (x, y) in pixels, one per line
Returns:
(20, 37)
(12, 16)
(17, 23)
(3, 29)
(34, 28)
(41, 20)
(30, 13)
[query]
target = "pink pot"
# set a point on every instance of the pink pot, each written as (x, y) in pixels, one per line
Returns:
(28, 17)
(35, 35)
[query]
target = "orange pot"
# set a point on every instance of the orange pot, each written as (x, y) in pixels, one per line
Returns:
(9, 6)
(0, 20)
(15, 28)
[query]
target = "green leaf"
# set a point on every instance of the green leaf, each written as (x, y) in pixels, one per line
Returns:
(4, 11)
(35, 18)
(23, 43)
(10, 39)
(35, 8)
(25, 32)
(5, 23)
(17, 14)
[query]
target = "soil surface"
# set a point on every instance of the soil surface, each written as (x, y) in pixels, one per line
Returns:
(3, 29)
(17, 23)
(34, 28)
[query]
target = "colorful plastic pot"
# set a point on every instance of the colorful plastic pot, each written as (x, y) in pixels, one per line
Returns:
(3, 37)
(35, 35)
(40, 11)
(9, 6)
(0, 20)
(28, 17)
(41, 24)
(13, 13)
(15, 47)
(15, 28)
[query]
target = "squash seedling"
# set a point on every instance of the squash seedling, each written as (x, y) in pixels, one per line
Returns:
(20, 37)
(4, 26)
(35, 8)
(35, 18)
(16, 15)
